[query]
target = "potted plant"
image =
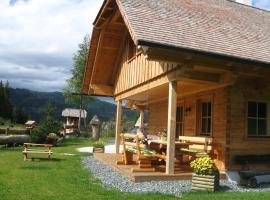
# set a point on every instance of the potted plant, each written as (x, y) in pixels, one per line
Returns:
(205, 176)
(52, 139)
(98, 147)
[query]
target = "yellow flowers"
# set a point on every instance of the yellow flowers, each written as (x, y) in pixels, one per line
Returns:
(203, 166)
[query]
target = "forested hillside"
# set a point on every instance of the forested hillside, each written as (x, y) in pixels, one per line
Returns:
(35, 104)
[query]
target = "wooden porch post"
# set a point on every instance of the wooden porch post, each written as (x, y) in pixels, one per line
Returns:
(118, 127)
(142, 118)
(172, 105)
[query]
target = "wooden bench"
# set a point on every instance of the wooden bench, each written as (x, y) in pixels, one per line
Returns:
(199, 146)
(30, 148)
(132, 146)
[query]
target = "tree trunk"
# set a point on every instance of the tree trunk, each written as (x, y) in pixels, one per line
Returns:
(16, 139)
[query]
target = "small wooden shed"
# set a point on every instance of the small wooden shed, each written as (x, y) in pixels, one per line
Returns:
(30, 124)
(72, 119)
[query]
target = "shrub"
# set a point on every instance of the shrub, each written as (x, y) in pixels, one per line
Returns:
(203, 166)
(98, 144)
(38, 134)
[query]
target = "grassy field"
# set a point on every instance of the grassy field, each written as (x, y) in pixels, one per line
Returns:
(64, 178)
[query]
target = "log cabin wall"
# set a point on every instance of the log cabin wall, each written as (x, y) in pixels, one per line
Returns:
(157, 120)
(135, 69)
(240, 143)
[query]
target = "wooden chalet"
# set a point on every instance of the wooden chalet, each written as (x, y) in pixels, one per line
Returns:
(200, 68)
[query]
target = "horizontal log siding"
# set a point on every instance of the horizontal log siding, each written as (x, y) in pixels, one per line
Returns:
(157, 120)
(240, 144)
(135, 71)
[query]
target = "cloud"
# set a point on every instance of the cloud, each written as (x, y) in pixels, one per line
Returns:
(38, 39)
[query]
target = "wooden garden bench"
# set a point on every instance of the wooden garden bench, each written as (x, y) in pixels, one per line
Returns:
(132, 146)
(30, 148)
(199, 146)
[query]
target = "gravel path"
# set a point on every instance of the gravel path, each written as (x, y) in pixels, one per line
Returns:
(114, 180)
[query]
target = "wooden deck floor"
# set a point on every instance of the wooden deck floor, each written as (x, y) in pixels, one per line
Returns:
(125, 170)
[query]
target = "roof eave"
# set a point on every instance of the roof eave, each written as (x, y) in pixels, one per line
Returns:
(203, 53)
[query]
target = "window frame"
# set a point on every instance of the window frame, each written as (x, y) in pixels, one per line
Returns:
(200, 101)
(257, 136)
(181, 104)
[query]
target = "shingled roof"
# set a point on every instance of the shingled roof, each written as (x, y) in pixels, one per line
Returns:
(214, 26)
(71, 112)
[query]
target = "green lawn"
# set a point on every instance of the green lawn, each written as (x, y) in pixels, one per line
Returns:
(64, 178)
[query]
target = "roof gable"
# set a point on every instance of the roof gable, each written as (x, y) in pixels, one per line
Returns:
(211, 28)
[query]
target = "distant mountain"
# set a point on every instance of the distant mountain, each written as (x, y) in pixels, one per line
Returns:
(35, 104)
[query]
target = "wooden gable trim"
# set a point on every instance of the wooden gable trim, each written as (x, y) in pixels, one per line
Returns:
(117, 63)
(97, 51)
(90, 60)
(128, 25)
(113, 10)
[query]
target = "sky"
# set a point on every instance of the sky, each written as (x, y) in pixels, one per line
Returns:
(39, 37)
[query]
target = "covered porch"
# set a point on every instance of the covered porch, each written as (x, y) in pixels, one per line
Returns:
(173, 103)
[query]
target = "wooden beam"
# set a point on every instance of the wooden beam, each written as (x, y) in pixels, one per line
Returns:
(118, 125)
(102, 89)
(99, 20)
(119, 55)
(179, 74)
(100, 39)
(129, 104)
(116, 16)
(142, 118)
(172, 105)
(187, 73)
(173, 56)
(144, 87)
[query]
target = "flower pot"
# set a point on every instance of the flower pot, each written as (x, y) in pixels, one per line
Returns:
(205, 182)
(98, 149)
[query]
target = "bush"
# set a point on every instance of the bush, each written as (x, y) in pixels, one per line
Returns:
(98, 144)
(203, 166)
(38, 134)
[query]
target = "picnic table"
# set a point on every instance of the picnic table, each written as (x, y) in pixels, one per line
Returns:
(31, 148)
(161, 145)
(164, 143)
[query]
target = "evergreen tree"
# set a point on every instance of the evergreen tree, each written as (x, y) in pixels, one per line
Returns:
(2, 103)
(19, 115)
(74, 84)
(5, 104)
(48, 125)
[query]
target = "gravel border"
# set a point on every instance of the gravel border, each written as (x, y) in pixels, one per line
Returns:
(112, 179)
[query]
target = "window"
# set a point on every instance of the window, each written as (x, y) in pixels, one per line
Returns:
(257, 119)
(179, 121)
(205, 120)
